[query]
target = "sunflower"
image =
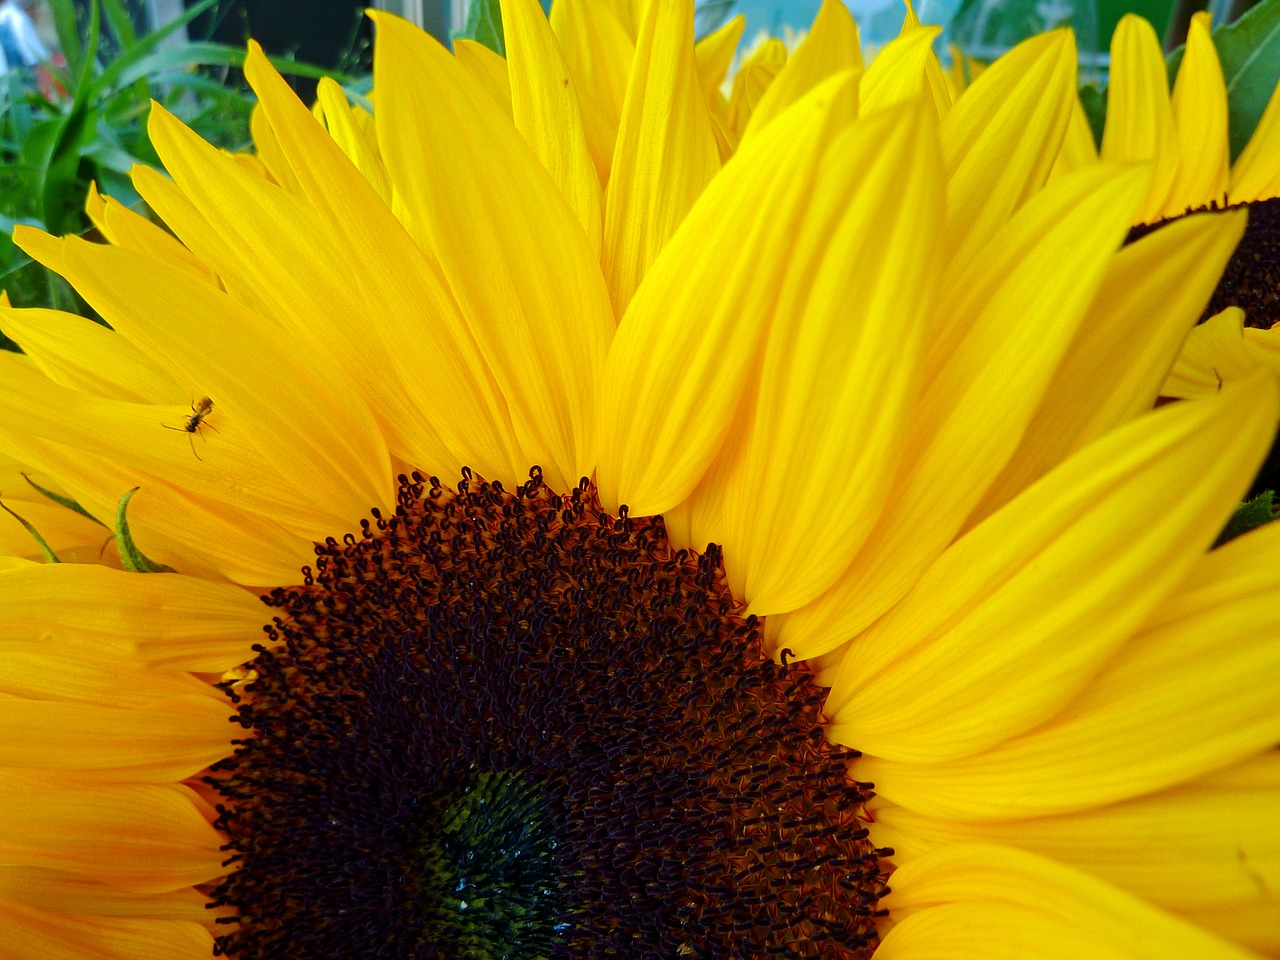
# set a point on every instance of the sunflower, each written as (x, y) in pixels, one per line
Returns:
(681, 556)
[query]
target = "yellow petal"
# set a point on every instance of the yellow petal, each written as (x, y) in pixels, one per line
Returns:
(1140, 124)
(69, 895)
(599, 52)
(692, 334)
(194, 329)
(1256, 173)
(926, 683)
(192, 533)
(754, 75)
(390, 324)
(1078, 147)
(830, 47)
(1230, 859)
(159, 743)
(1200, 117)
(839, 374)
(146, 838)
(341, 123)
(715, 52)
(515, 256)
(33, 934)
(1194, 692)
(75, 352)
(900, 71)
(997, 903)
(270, 150)
(1215, 353)
(488, 68)
(1154, 291)
(172, 622)
(666, 152)
(935, 80)
(126, 228)
(1001, 138)
(998, 335)
(544, 103)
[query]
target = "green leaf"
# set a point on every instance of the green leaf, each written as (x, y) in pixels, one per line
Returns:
(64, 22)
(1250, 515)
(484, 25)
(1250, 53)
(110, 78)
(211, 54)
(119, 22)
(131, 558)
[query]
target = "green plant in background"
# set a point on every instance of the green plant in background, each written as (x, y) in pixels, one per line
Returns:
(88, 124)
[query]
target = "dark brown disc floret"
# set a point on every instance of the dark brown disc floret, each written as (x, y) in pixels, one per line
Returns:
(510, 725)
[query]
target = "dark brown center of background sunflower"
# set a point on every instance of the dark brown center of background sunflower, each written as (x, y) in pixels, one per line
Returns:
(508, 725)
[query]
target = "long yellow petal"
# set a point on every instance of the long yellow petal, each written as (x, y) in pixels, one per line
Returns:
(341, 123)
(75, 352)
(1200, 118)
(997, 338)
(200, 332)
(190, 532)
(1154, 291)
(544, 104)
(34, 934)
(599, 52)
(839, 374)
(715, 53)
(1140, 124)
(532, 292)
(690, 338)
(927, 684)
(1194, 692)
(488, 68)
(159, 743)
(127, 228)
(173, 622)
(390, 322)
(1078, 147)
(830, 47)
(147, 838)
(997, 903)
(1232, 858)
(1001, 138)
(750, 84)
(900, 71)
(69, 895)
(666, 152)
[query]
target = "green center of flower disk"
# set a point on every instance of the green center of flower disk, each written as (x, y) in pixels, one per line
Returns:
(509, 725)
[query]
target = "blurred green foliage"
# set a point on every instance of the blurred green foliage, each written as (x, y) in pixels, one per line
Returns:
(65, 125)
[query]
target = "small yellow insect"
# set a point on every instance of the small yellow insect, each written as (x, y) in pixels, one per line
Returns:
(199, 410)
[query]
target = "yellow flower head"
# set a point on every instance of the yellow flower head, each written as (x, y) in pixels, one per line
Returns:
(683, 532)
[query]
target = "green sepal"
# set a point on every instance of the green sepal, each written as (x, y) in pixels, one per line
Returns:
(49, 555)
(1250, 515)
(131, 558)
(1249, 51)
(484, 25)
(62, 501)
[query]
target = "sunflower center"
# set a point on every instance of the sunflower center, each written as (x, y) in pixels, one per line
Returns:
(510, 725)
